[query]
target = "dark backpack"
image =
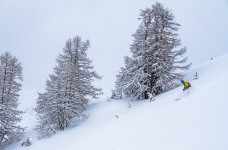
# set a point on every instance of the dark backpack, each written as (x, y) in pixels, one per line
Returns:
(188, 84)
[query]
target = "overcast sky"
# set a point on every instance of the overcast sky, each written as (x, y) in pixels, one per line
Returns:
(35, 31)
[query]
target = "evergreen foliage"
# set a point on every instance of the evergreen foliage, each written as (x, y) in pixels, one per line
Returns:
(68, 90)
(157, 58)
(10, 85)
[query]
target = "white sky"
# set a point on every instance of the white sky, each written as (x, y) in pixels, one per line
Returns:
(35, 31)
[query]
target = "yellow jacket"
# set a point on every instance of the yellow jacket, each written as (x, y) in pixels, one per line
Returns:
(186, 85)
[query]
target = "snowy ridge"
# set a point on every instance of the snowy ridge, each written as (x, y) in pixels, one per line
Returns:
(198, 121)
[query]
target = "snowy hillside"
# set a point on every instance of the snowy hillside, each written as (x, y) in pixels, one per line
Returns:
(174, 121)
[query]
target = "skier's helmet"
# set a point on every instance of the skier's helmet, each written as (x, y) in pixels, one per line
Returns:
(182, 81)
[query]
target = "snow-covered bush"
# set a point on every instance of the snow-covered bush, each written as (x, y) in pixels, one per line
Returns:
(195, 76)
(27, 142)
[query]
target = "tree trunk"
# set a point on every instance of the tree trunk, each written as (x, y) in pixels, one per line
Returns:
(2, 139)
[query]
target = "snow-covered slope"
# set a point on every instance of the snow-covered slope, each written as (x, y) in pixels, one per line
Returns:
(176, 120)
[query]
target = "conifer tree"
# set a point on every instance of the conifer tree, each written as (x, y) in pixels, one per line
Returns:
(157, 57)
(68, 90)
(117, 93)
(10, 85)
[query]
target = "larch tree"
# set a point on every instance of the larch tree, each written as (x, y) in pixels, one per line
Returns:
(68, 90)
(10, 85)
(157, 58)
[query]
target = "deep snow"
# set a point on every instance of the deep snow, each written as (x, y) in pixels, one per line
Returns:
(197, 121)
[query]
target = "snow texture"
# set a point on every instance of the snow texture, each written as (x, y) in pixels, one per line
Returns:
(196, 122)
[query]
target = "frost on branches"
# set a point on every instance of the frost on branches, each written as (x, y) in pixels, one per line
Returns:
(10, 77)
(157, 58)
(68, 90)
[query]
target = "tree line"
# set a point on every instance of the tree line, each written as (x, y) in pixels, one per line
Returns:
(67, 93)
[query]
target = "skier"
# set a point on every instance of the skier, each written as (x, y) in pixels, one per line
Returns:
(186, 85)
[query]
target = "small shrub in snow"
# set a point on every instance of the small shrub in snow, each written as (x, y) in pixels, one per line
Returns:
(109, 99)
(27, 142)
(113, 95)
(196, 76)
(129, 105)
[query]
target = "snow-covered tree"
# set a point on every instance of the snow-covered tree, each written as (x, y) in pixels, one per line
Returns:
(132, 78)
(68, 90)
(156, 54)
(117, 93)
(10, 85)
